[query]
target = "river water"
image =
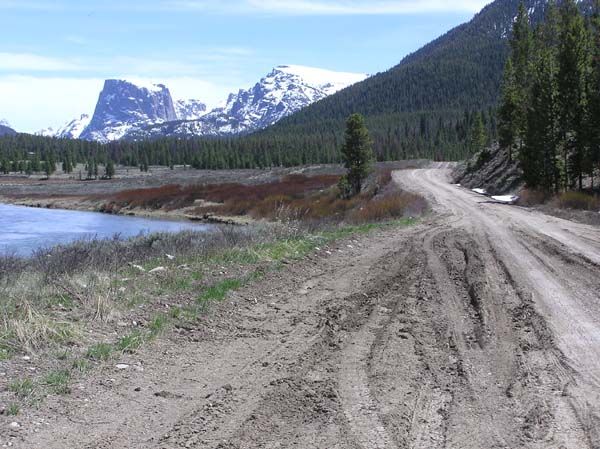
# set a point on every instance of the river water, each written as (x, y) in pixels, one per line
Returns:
(25, 229)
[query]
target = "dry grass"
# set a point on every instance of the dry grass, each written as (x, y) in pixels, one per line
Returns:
(567, 200)
(390, 206)
(530, 198)
(318, 201)
(577, 201)
(30, 330)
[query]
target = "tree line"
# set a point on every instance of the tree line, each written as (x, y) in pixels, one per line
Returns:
(549, 116)
(440, 135)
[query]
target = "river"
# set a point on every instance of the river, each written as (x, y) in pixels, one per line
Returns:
(25, 229)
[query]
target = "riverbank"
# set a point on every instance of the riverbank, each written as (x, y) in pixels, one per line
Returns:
(89, 204)
(87, 309)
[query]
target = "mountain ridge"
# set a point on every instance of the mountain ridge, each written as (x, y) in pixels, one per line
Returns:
(124, 108)
(6, 129)
(282, 92)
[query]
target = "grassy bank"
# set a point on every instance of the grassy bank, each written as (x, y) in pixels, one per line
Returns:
(69, 309)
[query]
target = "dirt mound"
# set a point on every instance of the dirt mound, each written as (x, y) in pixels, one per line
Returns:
(492, 170)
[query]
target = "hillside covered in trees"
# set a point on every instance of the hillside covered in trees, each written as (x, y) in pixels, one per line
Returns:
(550, 109)
(438, 103)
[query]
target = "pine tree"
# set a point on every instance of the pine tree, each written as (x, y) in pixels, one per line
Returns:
(594, 96)
(539, 153)
(109, 169)
(508, 113)
(574, 67)
(477, 138)
(521, 45)
(357, 153)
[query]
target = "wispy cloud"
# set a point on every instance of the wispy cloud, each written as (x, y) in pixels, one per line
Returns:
(32, 103)
(195, 62)
(275, 7)
(33, 62)
(324, 7)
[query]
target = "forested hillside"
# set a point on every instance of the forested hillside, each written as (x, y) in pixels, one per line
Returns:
(439, 103)
(550, 108)
(418, 104)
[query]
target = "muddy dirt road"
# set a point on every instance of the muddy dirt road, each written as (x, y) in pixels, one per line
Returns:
(479, 328)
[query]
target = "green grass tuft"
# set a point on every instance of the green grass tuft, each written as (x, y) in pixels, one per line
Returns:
(58, 381)
(100, 351)
(12, 409)
(219, 291)
(4, 354)
(22, 388)
(80, 365)
(130, 343)
(158, 325)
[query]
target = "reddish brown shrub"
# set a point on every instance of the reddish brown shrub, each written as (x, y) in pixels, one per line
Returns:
(294, 197)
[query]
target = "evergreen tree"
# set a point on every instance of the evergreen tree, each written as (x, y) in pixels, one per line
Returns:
(574, 67)
(477, 139)
(521, 45)
(538, 155)
(357, 153)
(594, 96)
(508, 114)
(109, 169)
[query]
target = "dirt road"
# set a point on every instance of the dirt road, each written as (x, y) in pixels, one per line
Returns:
(479, 328)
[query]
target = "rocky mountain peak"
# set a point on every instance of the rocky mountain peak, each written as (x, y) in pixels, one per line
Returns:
(123, 104)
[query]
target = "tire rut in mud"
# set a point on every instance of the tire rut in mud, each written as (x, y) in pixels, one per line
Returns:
(509, 393)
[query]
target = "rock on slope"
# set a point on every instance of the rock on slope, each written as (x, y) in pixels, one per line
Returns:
(491, 170)
(123, 105)
(189, 109)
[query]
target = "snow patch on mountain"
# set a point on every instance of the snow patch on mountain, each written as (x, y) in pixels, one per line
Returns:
(123, 105)
(328, 81)
(284, 91)
(190, 109)
(139, 110)
(70, 130)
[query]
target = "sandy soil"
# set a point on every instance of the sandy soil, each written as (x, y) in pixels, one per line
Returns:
(478, 328)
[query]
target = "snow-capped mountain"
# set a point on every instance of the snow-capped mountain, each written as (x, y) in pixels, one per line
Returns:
(189, 109)
(135, 111)
(6, 129)
(70, 130)
(285, 90)
(123, 105)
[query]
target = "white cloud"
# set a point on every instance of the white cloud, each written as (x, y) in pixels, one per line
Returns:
(31, 103)
(334, 7)
(185, 88)
(34, 103)
(32, 62)
(280, 7)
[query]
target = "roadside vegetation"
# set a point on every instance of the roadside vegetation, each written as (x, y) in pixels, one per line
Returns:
(70, 308)
(362, 195)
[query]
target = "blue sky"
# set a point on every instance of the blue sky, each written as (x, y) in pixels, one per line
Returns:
(55, 54)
